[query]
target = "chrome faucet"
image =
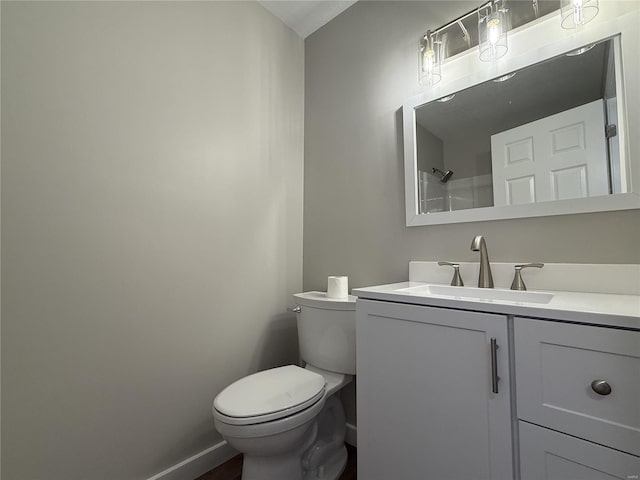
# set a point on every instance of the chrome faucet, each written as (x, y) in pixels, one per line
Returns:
(485, 279)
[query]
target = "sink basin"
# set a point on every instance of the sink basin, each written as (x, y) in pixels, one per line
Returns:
(485, 294)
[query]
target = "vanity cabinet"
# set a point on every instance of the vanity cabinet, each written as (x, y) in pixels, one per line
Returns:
(566, 406)
(430, 405)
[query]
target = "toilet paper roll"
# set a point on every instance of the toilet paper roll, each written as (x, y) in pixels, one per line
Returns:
(338, 287)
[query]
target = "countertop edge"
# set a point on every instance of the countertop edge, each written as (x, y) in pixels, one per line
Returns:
(543, 311)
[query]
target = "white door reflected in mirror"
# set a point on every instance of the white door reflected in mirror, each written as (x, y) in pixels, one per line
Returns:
(558, 157)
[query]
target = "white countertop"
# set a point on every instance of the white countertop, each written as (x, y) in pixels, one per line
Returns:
(614, 310)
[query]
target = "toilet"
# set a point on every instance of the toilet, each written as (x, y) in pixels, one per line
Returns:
(287, 421)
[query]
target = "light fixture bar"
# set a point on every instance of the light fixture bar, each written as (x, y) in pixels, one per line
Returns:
(463, 17)
(494, 19)
(456, 40)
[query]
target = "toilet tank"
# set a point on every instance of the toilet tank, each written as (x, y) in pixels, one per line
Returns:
(327, 331)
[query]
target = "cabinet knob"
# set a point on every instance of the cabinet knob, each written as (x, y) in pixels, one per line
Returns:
(601, 387)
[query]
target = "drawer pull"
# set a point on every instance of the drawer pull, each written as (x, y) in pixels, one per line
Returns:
(601, 387)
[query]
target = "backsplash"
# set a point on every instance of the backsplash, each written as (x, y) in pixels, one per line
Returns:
(567, 277)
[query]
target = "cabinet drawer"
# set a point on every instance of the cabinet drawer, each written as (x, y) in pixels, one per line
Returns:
(549, 455)
(556, 364)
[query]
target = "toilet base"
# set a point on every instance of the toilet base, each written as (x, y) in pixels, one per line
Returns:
(313, 450)
(274, 467)
(286, 466)
(332, 469)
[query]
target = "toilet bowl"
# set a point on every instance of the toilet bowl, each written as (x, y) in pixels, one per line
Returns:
(287, 421)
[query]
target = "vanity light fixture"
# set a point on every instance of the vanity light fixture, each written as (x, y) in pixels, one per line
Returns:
(430, 58)
(492, 30)
(487, 27)
(575, 13)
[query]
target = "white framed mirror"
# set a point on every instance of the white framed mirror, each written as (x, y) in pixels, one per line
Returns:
(547, 130)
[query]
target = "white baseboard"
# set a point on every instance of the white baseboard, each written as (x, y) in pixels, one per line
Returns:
(352, 435)
(198, 464)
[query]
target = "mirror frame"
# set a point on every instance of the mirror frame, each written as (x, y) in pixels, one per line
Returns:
(466, 70)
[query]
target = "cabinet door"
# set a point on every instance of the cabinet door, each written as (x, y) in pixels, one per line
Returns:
(556, 364)
(549, 455)
(426, 409)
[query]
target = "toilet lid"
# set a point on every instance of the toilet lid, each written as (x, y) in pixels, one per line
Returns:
(284, 389)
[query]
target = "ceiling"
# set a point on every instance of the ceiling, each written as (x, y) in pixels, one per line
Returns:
(306, 16)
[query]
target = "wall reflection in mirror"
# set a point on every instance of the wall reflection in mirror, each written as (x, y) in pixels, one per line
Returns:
(546, 132)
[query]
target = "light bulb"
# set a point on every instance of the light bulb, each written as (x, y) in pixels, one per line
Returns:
(493, 26)
(427, 61)
(429, 72)
(492, 31)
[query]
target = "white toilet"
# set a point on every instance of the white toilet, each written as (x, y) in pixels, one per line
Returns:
(287, 421)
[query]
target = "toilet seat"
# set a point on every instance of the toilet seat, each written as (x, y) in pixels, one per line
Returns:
(269, 395)
(269, 428)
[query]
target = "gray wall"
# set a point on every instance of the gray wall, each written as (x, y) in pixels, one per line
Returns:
(469, 156)
(151, 226)
(429, 150)
(358, 71)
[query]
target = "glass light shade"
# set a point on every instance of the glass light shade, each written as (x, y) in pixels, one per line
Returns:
(575, 13)
(493, 24)
(430, 61)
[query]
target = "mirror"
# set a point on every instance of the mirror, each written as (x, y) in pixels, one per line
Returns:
(534, 135)
(538, 140)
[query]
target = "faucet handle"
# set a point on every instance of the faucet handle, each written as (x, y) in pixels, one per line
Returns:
(456, 281)
(518, 283)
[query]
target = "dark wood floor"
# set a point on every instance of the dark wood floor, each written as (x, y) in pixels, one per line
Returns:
(232, 470)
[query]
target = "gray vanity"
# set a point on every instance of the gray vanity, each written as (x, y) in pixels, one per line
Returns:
(461, 382)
